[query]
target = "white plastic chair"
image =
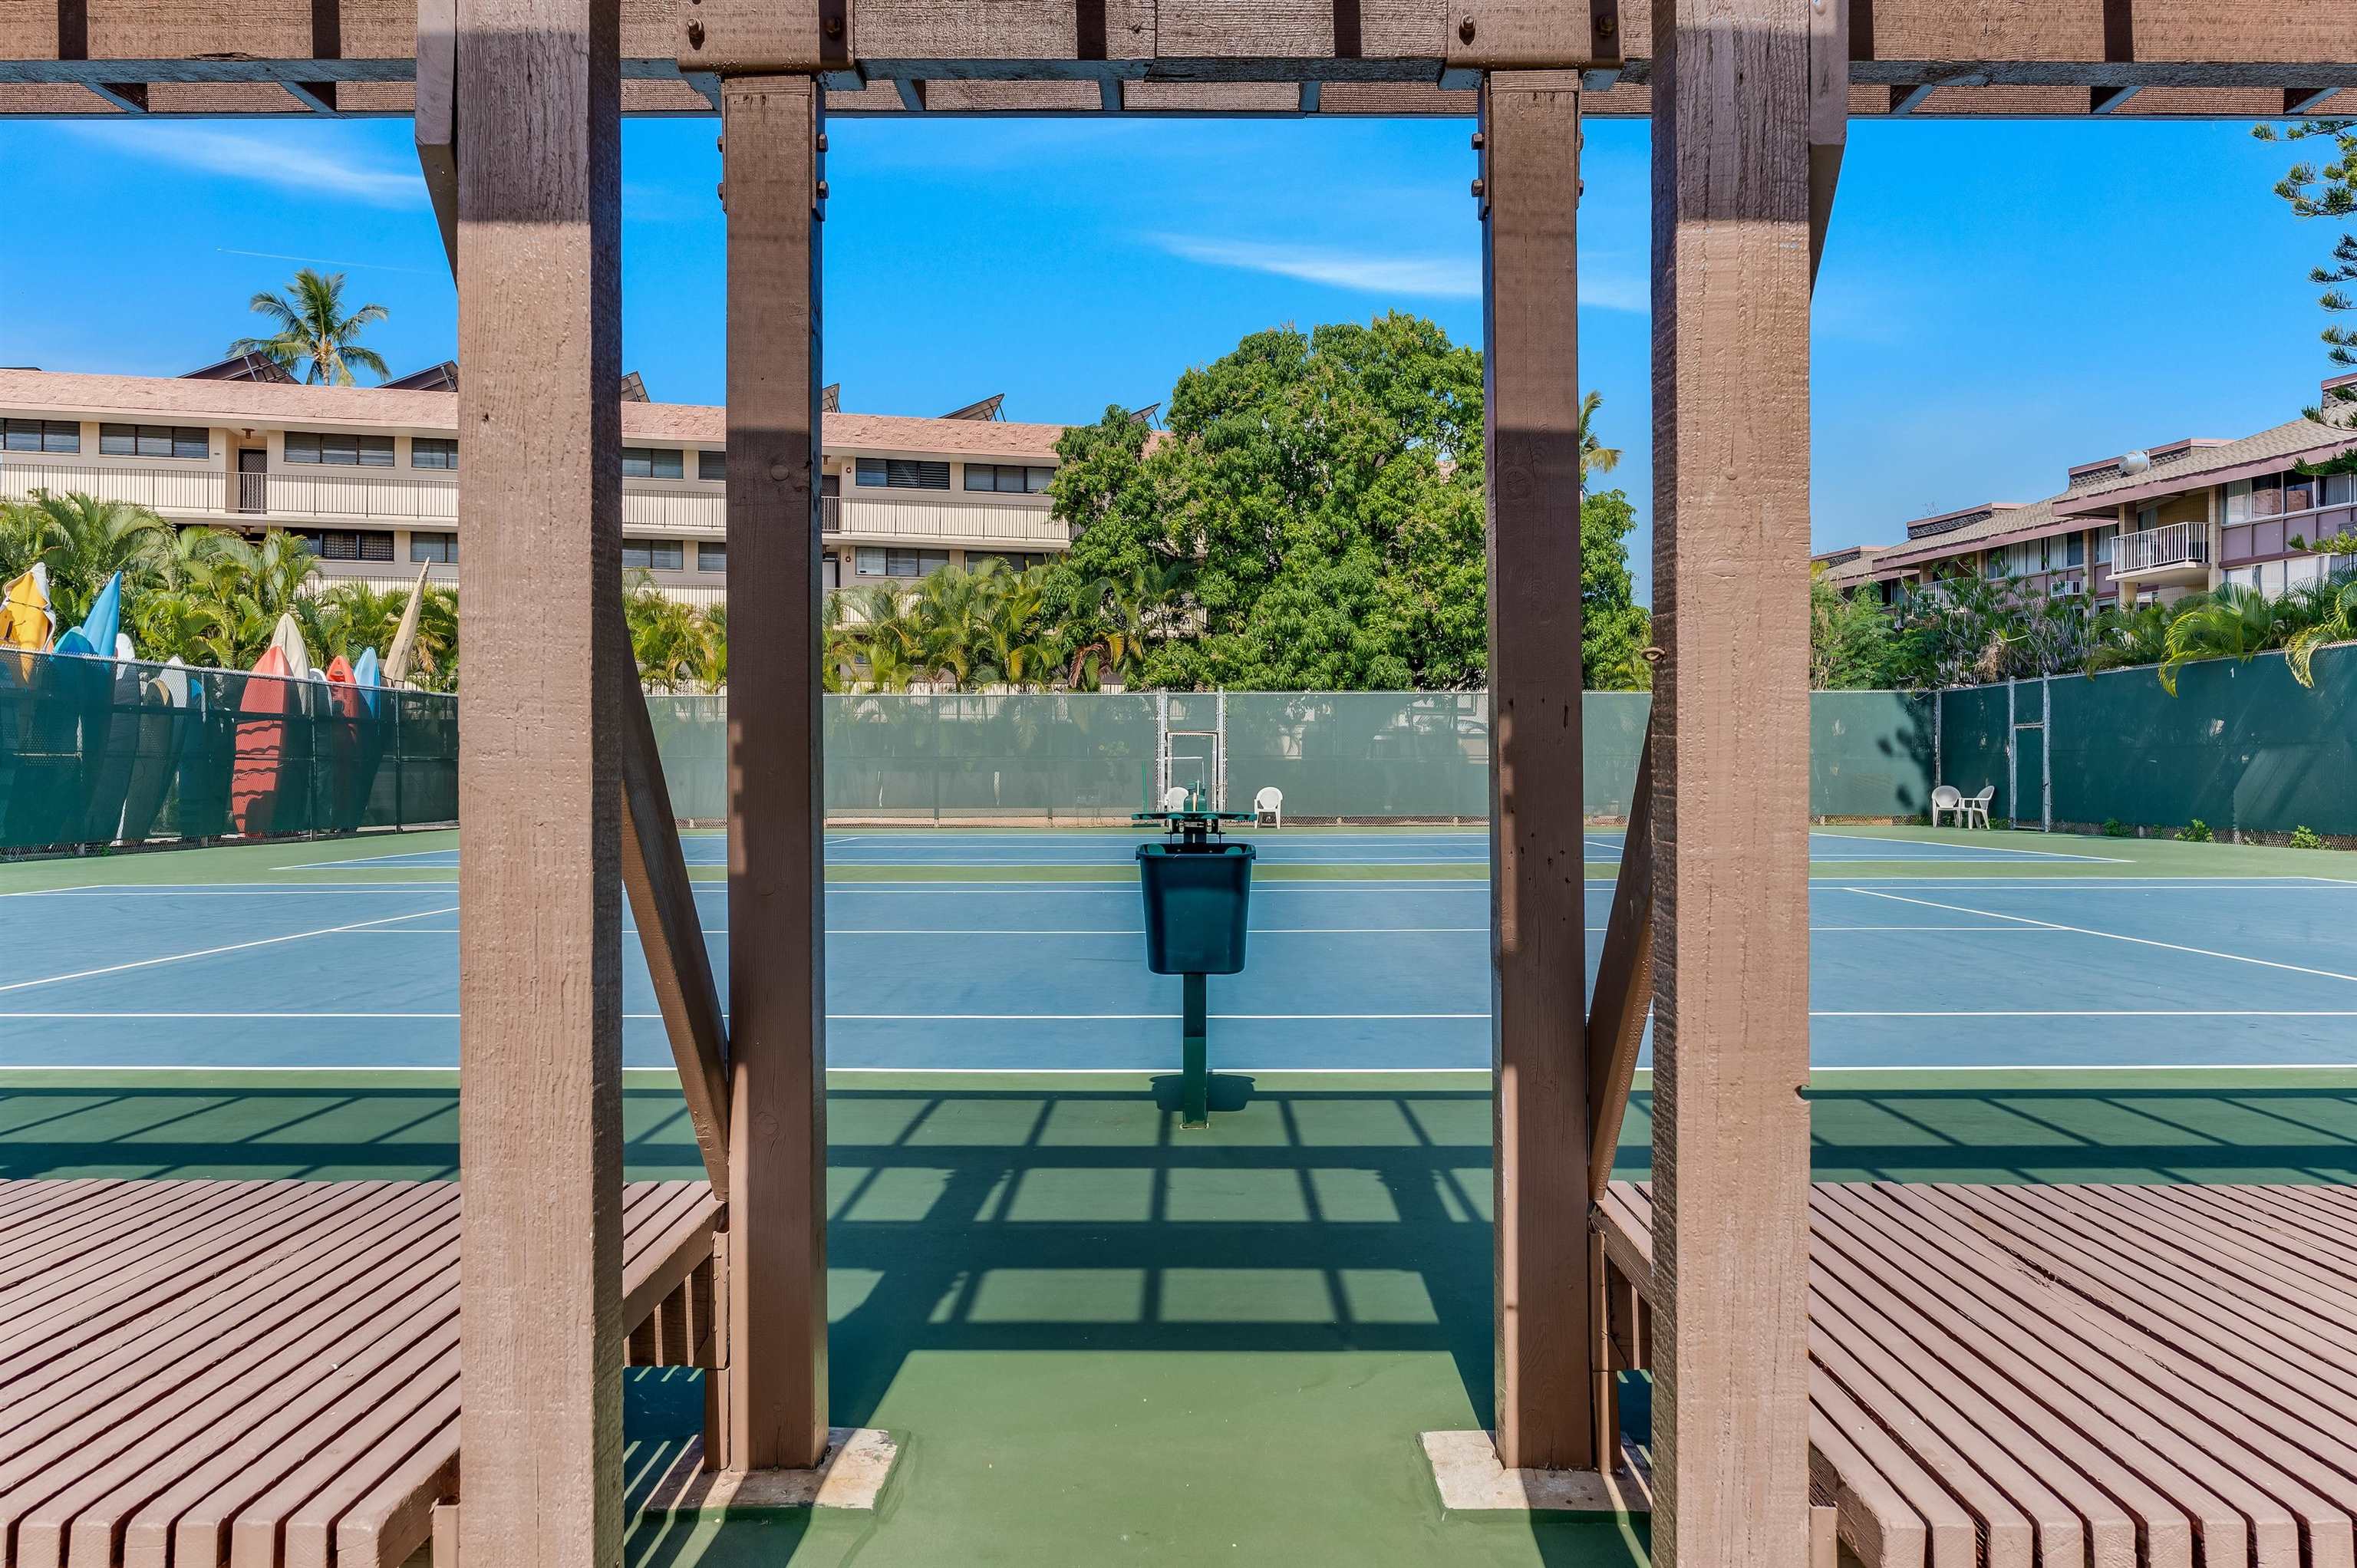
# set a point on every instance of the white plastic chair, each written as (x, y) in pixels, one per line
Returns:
(1175, 798)
(1269, 806)
(1976, 806)
(1949, 798)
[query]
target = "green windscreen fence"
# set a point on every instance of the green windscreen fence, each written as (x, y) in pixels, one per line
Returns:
(97, 751)
(2242, 747)
(1097, 757)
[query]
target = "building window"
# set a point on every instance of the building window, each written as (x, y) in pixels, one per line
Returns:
(335, 545)
(2104, 537)
(652, 554)
(42, 434)
(339, 450)
(2266, 496)
(2340, 489)
(711, 557)
(441, 547)
(2238, 501)
(904, 473)
(433, 452)
(651, 463)
(875, 561)
(1013, 560)
(154, 441)
(711, 465)
(1006, 477)
(2299, 492)
(2074, 549)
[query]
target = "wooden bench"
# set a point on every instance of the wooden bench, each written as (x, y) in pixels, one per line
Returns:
(2102, 1375)
(263, 1373)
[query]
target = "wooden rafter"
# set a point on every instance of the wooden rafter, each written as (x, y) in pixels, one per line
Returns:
(2268, 58)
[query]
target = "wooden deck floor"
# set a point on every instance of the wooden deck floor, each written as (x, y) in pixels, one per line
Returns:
(262, 1372)
(2088, 1375)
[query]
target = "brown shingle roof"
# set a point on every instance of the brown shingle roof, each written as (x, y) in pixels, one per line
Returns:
(323, 407)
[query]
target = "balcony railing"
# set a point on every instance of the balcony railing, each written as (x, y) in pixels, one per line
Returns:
(2158, 549)
(667, 508)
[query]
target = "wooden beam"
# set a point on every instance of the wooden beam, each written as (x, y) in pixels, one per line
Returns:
(540, 1124)
(2107, 100)
(2304, 100)
(654, 869)
(662, 902)
(436, 115)
(775, 1413)
(1909, 97)
(1731, 771)
(1829, 50)
(1624, 981)
(1530, 185)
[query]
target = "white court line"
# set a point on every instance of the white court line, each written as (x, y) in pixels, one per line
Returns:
(214, 1069)
(210, 952)
(2112, 936)
(1975, 848)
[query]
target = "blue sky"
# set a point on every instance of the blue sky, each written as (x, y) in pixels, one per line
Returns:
(1998, 300)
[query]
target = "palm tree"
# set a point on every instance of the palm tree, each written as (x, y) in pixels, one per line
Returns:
(313, 330)
(2119, 639)
(1595, 458)
(884, 634)
(2234, 622)
(670, 639)
(952, 609)
(1014, 644)
(85, 541)
(2334, 619)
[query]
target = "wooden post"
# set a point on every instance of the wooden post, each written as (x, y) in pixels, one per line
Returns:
(1530, 195)
(1731, 737)
(774, 1400)
(540, 1124)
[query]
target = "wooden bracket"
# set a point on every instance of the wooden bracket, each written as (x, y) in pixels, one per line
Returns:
(1527, 35)
(747, 38)
(1624, 981)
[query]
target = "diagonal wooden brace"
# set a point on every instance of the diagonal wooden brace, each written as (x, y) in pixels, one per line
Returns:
(1624, 981)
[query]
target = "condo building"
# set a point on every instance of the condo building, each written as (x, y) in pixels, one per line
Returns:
(369, 475)
(2156, 524)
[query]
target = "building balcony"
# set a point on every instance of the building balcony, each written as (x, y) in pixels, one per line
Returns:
(667, 509)
(2172, 553)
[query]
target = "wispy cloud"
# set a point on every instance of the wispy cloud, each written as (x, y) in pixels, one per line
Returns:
(289, 162)
(1431, 276)
(1439, 277)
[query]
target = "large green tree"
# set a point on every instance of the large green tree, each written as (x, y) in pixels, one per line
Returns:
(2329, 190)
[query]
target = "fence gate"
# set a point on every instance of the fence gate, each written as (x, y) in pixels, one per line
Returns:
(1193, 747)
(2028, 765)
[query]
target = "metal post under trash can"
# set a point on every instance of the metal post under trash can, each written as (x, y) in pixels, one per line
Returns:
(1198, 893)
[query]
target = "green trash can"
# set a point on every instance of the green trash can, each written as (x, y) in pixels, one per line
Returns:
(1196, 901)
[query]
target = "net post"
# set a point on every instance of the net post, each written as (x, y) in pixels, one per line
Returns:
(1195, 1090)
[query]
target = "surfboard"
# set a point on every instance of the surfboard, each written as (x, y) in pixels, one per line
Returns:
(110, 740)
(256, 774)
(341, 755)
(163, 716)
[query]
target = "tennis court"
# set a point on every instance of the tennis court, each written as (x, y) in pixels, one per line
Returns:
(1006, 951)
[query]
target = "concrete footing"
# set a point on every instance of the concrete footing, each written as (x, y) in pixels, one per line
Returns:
(858, 1461)
(1464, 1466)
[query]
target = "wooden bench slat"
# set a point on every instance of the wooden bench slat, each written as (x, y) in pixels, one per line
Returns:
(2084, 1347)
(171, 1350)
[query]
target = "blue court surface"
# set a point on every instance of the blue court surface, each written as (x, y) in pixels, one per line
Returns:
(1468, 847)
(1927, 951)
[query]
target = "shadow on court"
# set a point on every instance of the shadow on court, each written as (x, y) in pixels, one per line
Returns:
(1107, 1337)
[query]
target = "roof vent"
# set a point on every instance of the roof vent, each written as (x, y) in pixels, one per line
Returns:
(2133, 463)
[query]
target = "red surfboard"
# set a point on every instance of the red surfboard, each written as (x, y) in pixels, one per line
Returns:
(261, 744)
(344, 747)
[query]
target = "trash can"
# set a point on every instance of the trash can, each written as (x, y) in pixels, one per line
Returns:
(1196, 901)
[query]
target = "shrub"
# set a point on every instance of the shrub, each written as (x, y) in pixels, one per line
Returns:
(2306, 838)
(2114, 829)
(2196, 832)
